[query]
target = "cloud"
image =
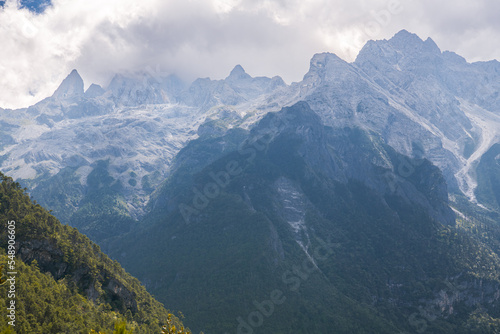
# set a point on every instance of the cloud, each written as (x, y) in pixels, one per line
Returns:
(200, 38)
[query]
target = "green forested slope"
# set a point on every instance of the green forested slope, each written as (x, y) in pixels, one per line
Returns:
(65, 284)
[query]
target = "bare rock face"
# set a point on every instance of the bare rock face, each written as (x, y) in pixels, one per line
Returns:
(46, 253)
(120, 294)
(71, 87)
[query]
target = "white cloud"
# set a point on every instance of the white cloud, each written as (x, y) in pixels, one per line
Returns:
(199, 38)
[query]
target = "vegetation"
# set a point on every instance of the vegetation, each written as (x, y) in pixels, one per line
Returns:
(97, 208)
(65, 284)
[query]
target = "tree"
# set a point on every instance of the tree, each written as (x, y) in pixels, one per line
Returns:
(120, 328)
(171, 328)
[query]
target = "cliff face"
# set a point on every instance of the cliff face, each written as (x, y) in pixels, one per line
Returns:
(355, 154)
(46, 253)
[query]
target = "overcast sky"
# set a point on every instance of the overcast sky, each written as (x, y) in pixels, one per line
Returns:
(207, 38)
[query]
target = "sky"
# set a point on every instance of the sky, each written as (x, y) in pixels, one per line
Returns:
(207, 38)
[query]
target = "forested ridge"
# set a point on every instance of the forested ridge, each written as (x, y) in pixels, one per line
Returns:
(64, 283)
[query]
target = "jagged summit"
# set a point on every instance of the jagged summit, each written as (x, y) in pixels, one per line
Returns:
(408, 42)
(398, 50)
(71, 87)
(94, 91)
(238, 73)
(324, 66)
(431, 45)
(321, 59)
(405, 35)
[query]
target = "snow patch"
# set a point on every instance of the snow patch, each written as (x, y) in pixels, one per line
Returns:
(489, 123)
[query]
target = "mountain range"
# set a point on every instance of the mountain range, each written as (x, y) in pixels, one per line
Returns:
(221, 195)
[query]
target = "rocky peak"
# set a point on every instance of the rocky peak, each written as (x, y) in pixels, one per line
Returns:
(325, 66)
(94, 91)
(404, 37)
(238, 73)
(71, 87)
(409, 43)
(141, 88)
(323, 60)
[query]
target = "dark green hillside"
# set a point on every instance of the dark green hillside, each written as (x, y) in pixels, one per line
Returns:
(309, 229)
(65, 284)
